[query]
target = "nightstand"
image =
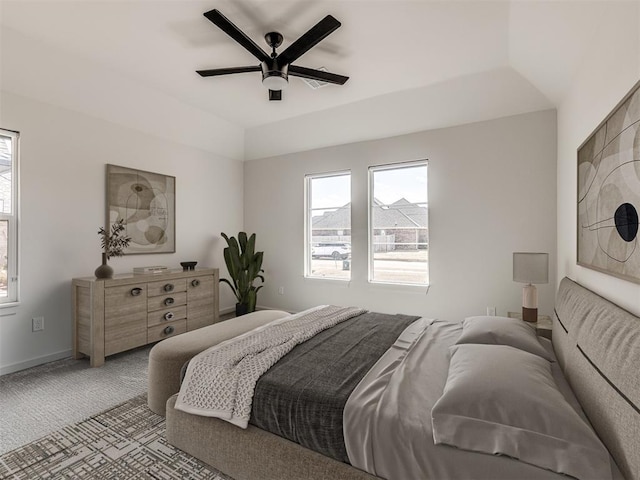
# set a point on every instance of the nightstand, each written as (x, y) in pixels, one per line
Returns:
(544, 325)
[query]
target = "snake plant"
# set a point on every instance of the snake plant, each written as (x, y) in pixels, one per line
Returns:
(245, 267)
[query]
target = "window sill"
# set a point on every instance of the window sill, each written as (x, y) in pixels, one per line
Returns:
(400, 287)
(328, 280)
(9, 304)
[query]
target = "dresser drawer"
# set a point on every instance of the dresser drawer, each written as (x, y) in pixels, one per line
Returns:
(166, 301)
(166, 316)
(194, 323)
(165, 287)
(202, 307)
(200, 287)
(124, 333)
(160, 332)
(124, 298)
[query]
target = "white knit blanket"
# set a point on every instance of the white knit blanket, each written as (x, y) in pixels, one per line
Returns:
(220, 381)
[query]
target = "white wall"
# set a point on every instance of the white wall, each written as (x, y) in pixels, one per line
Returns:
(471, 98)
(492, 191)
(606, 76)
(63, 157)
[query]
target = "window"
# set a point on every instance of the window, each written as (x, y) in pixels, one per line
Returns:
(398, 224)
(8, 216)
(328, 226)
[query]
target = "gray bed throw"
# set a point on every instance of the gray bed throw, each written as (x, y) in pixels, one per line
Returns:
(302, 397)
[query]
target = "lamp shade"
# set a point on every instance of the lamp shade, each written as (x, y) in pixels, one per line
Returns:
(529, 267)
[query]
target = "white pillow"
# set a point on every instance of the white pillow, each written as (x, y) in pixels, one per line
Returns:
(502, 331)
(501, 400)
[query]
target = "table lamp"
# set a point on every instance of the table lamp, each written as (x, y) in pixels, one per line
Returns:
(530, 268)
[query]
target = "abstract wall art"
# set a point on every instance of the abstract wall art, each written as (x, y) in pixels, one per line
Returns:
(609, 193)
(146, 203)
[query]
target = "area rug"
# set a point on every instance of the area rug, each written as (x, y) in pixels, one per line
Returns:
(124, 442)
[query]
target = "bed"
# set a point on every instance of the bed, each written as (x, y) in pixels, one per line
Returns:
(595, 344)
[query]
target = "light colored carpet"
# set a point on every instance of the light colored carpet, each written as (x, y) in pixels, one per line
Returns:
(125, 442)
(40, 400)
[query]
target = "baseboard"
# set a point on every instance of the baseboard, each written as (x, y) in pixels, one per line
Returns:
(224, 311)
(34, 362)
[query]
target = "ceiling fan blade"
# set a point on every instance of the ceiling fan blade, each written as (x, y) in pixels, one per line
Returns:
(238, 35)
(226, 71)
(275, 95)
(317, 75)
(313, 36)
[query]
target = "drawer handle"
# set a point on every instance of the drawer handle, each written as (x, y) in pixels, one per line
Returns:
(168, 287)
(195, 282)
(169, 330)
(169, 301)
(169, 316)
(135, 292)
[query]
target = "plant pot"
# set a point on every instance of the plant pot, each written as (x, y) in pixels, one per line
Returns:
(241, 309)
(104, 270)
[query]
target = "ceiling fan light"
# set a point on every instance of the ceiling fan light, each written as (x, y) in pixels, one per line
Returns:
(275, 81)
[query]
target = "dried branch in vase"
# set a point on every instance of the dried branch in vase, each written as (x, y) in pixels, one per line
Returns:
(113, 241)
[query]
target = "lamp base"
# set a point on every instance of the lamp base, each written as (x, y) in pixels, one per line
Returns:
(530, 303)
(530, 314)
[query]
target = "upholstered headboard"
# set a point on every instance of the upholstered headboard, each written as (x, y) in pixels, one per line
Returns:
(598, 346)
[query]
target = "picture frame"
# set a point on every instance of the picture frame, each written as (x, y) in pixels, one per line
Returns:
(608, 193)
(145, 201)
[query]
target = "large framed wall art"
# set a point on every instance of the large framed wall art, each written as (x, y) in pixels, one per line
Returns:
(609, 193)
(146, 203)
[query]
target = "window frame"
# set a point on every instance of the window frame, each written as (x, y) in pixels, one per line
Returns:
(308, 227)
(13, 262)
(370, 227)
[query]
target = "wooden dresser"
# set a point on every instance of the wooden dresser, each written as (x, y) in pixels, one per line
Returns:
(127, 311)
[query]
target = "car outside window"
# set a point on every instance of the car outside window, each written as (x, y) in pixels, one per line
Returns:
(328, 226)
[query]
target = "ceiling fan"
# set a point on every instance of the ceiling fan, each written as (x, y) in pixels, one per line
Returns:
(277, 67)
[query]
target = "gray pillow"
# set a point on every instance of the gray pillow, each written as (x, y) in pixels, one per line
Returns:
(502, 331)
(503, 401)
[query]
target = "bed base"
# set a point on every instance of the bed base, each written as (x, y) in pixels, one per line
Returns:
(251, 454)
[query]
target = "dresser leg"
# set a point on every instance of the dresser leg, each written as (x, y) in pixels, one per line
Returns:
(96, 361)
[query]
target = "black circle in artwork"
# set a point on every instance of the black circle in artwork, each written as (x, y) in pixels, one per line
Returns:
(626, 218)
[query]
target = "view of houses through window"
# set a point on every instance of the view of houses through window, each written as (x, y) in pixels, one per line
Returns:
(398, 225)
(8, 220)
(328, 226)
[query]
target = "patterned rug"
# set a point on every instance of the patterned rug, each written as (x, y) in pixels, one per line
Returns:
(125, 442)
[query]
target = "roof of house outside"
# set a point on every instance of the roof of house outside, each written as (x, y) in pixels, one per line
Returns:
(399, 214)
(5, 154)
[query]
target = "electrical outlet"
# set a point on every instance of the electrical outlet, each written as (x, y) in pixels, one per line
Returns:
(281, 291)
(491, 311)
(37, 324)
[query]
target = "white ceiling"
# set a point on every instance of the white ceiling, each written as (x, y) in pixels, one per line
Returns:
(385, 47)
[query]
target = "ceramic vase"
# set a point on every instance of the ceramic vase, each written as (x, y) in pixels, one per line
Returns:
(104, 270)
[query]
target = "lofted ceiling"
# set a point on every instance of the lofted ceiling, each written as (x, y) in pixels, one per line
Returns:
(387, 48)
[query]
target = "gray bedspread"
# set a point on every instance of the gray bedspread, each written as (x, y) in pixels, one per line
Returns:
(302, 397)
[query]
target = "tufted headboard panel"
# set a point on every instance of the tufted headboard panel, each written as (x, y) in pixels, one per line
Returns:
(598, 346)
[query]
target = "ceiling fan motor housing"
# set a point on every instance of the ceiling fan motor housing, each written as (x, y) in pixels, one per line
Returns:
(274, 76)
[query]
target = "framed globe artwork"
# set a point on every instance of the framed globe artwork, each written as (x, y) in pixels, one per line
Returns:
(609, 193)
(146, 203)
